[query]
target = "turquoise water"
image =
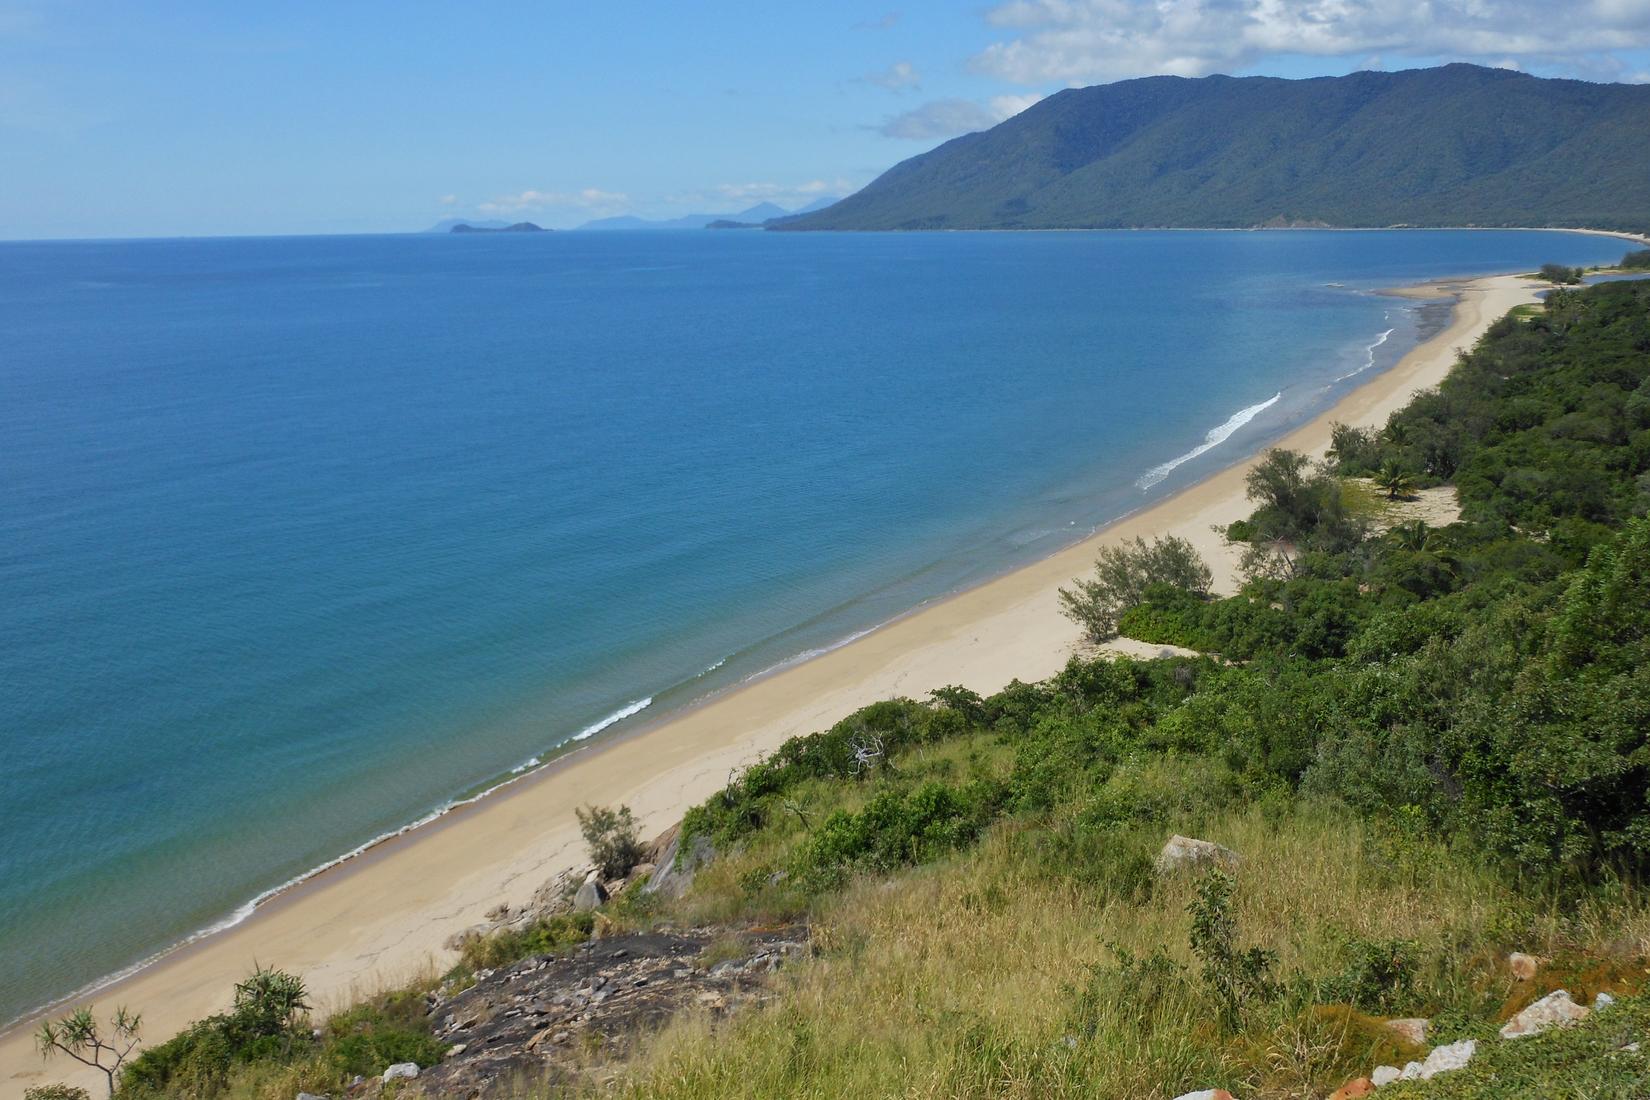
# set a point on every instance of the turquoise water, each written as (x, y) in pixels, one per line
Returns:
(305, 538)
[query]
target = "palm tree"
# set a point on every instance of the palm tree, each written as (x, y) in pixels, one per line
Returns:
(1395, 480)
(1415, 537)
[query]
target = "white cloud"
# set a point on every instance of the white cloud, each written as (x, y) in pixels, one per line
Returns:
(947, 118)
(448, 200)
(1081, 41)
(881, 23)
(591, 198)
(901, 76)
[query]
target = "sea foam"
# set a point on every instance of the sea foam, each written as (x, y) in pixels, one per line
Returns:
(1216, 436)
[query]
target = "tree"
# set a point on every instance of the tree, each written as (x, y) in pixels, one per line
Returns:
(1394, 480)
(1559, 275)
(80, 1037)
(1416, 537)
(1635, 260)
(611, 834)
(269, 1002)
(1122, 575)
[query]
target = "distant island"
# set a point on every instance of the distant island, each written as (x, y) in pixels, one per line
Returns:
(1459, 145)
(518, 227)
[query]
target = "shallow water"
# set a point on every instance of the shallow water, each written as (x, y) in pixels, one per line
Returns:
(304, 538)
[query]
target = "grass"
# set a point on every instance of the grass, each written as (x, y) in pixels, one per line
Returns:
(1000, 973)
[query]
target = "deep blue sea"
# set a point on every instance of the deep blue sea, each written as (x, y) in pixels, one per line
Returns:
(301, 539)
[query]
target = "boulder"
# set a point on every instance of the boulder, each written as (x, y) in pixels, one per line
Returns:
(1523, 966)
(591, 895)
(310, 1096)
(1603, 1000)
(1385, 1075)
(1352, 1090)
(1448, 1057)
(1183, 852)
(408, 1070)
(1205, 1094)
(1410, 1029)
(1556, 1009)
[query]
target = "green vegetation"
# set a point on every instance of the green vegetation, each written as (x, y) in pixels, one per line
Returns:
(80, 1036)
(611, 836)
(1636, 261)
(1429, 746)
(1559, 275)
(1457, 145)
(1590, 1060)
(1121, 578)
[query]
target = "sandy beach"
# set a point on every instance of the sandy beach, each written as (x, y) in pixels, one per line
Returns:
(381, 918)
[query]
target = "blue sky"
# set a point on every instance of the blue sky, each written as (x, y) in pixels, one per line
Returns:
(168, 118)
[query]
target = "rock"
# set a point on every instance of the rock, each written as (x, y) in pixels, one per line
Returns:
(1448, 1057)
(676, 867)
(1410, 1029)
(1523, 966)
(455, 1050)
(310, 1096)
(408, 1070)
(1184, 851)
(1206, 1094)
(1603, 1000)
(591, 895)
(1556, 1009)
(1385, 1075)
(1412, 1072)
(1361, 1086)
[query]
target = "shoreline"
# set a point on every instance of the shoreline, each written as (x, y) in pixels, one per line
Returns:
(378, 915)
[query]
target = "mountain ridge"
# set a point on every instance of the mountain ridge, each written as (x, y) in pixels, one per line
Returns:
(1454, 145)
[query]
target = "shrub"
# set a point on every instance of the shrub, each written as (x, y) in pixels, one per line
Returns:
(1635, 260)
(539, 938)
(1122, 575)
(1560, 275)
(56, 1092)
(1236, 977)
(611, 835)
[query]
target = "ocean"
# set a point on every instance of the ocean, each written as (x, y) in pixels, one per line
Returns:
(304, 539)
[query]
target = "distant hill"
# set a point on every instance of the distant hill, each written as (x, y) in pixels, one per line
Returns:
(1457, 145)
(518, 227)
(755, 215)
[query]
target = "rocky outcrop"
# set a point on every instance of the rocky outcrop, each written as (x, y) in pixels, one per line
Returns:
(1556, 1009)
(675, 868)
(1522, 966)
(401, 1071)
(566, 1019)
(591, 894)
(1184, 852)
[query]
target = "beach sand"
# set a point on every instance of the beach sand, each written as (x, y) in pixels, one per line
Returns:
(381, 918)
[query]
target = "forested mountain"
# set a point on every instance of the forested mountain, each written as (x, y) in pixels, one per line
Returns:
(1457, 145)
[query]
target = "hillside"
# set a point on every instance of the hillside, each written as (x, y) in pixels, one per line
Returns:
(1457, 145)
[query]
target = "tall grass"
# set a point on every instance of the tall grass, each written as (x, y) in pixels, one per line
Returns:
(997, 973)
